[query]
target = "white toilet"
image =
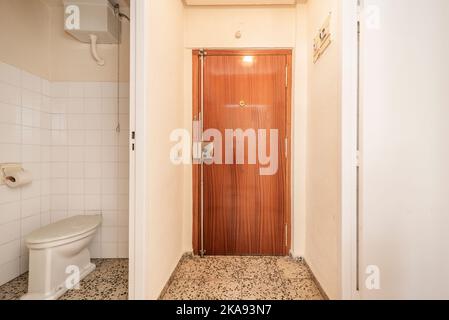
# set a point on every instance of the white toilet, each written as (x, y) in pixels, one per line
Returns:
(57, 252)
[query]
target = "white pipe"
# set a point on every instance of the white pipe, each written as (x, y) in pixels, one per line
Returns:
(93, 46)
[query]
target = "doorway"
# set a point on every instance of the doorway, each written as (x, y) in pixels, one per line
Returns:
(241, 181)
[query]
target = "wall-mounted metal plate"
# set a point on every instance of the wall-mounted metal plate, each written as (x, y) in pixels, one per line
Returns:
(323, 40)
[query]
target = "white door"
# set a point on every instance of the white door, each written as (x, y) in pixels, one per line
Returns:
(405, 156)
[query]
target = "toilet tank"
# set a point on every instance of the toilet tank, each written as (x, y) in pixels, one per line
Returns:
(95, 17)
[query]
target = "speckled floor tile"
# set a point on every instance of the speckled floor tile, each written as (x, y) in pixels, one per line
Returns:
(209, 268)
(263, 289)
(220, 289)
(292, 269)
(14, 289)
(109, 281)
(242, 278)
(302, 289)
(183, 290)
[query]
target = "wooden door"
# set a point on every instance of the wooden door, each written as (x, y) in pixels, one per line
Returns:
(246, 212)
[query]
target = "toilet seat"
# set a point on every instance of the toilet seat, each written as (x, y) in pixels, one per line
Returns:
(64, 231)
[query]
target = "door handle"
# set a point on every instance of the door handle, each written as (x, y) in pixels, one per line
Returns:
(207, 151)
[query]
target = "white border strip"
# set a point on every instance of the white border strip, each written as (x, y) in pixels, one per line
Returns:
(138, 205)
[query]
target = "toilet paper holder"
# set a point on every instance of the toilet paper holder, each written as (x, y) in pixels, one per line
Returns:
(8, 169)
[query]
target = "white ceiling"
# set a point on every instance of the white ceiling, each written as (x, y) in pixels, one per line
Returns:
(239, 2)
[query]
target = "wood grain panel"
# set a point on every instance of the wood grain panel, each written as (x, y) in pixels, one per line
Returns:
(245, 212)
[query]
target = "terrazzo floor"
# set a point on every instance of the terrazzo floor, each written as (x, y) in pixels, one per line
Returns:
(109, 281)
(241, 278)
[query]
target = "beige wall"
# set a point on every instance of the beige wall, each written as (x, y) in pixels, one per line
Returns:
(215, 27)
(72, 60)
(33, 39)
(323, 221)
(165, 113)
(25, 35)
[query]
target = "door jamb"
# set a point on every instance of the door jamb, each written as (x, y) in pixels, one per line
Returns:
(137, 173)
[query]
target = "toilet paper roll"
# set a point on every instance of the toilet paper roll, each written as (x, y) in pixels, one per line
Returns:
(18, 179)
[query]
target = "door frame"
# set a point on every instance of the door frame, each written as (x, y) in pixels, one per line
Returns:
(138, 203)
(196, 168)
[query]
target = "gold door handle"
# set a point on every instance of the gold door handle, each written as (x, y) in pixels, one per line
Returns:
(242, 103)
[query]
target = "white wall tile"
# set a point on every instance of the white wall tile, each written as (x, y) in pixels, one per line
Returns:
(109, 250)
(110, 218)
(58, 203)
(92, 202)
(9, 212)
(59, 105)
(93, 121)
(123, 250)
(93, 89)
(76, 89)
(93, 170)
(31, 153)
(64, 133)
(76, 202)
(92, 154)
(93, 138)
(10, 133)
(109, 154)
(124, 106)
(109, 186)
(76, 186)
(8, 195)
(9, 74)
(77, 138)
(110, 138)
(59, 170)
(59, 153)
(60, 89)
(9, 271)
(59, 138)
(10, 114)
(59, 186)
(109, 90)
(9, 232)
(92, 106)
(110, 106)
(109, 202)
(11, 153)
(31, 82)
(124, 90)
(92, 187)
(10, 94)
(31, 190)
(75, 106)
(59, 122)
(76, 170)
(109, 121)
(9, 252)
(76, 122)
(76, 154)
(31, 99)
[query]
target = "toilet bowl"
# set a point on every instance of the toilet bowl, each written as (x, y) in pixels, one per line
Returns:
(59, 256)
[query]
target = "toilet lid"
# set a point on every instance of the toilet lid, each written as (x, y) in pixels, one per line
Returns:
(64, 229)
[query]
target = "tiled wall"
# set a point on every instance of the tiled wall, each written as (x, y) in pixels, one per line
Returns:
(65, 134)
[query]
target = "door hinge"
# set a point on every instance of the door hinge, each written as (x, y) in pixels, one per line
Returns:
(357, 159)
(286, 235)
(133, 144)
